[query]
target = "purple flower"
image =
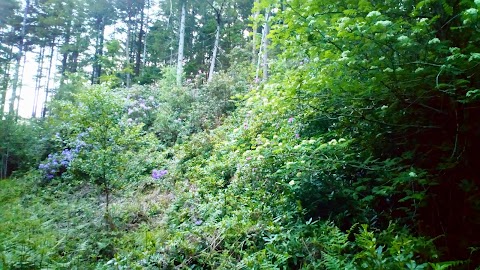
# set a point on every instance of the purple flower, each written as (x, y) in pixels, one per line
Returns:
(198, 222)
(67, 155)
(297, 136)
(157, 174)
(80, 144)
(290, 120)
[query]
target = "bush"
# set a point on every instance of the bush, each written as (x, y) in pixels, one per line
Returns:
(21, 144)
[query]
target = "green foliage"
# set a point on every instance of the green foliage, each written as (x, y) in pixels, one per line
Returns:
(229, 213)
(21, 146)
(49, 227)
(362, 141)
(395, 81)
(113, 150)
(173, 113)
(72, 84)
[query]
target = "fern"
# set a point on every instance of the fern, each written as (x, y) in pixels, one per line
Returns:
(445, 265)
(333, 262)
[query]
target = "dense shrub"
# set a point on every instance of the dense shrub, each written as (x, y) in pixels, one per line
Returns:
(21, 144)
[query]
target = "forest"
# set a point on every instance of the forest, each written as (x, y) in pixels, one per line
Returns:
(240, 134)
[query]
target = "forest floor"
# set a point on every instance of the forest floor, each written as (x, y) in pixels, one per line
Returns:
(66, 225)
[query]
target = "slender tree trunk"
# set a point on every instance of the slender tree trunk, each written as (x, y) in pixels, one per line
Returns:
(5, 82)
(100, 50)
(218, 13)
(76, 50)
(20, 87)
(265, 47)
(4, 165)
(38, 80)
(259, 58)
(47, 86)
(181, 44)
(127, 53)
(145, 37)
(97, 67)
(75, 60)
(214, 53)
(19, 58)
(65, 54)
(254, 35)
(141, 33)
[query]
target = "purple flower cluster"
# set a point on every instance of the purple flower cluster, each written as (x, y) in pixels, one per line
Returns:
(139, 108)
(157, 174)
(57, 163)
(79, 143)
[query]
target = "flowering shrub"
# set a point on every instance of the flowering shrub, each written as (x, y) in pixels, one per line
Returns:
(56, 164)
(157, 174)
(140, 105)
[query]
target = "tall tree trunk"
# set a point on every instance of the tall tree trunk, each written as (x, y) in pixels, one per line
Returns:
(20, 87)
(19, 58)
(218, 13)
(127, 53)
(265, 47)
(100, 50)
(214, 53)
(75, 60)
(5, 82)
(145, 36)
(65, 54)
(181, 44)
(38, 80)
(97, 67)
(254, 35)
(141, 33)
(47, 86)
(259, 58)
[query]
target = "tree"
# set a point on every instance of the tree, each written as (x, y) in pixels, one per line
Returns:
(8, 22)
(19, 56)
(95, 122)
(218, 19)
(181, 45)
(254, 33)
(262, 60)
(140, 44)
(102, 13)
